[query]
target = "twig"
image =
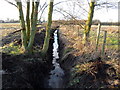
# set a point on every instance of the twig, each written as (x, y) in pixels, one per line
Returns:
(11, 3)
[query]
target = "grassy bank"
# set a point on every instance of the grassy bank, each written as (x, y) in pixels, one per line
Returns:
(22, 70)
(87, 68)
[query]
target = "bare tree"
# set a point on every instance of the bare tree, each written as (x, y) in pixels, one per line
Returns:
(48, 28)
(89, 21)
(28, 27)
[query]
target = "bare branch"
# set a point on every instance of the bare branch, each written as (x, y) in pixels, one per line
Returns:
(82, 8)
(41, 7)
(11, 3)
(106, 3)
(44, 7)
(88, 3)
(71, 16)
(61, 2)
(60, 12)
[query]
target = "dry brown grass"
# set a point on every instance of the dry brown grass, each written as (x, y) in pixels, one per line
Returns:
(74, 40)
(72, 34)
(6, 28)
(71, 39)
(6, 25)
(96, 72)
(87, 62)
(110, 29)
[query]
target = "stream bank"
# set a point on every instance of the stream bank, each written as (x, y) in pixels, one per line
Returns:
(26, 71)
(81, 70)
(84, 68)
(57, 73)
(66, 59)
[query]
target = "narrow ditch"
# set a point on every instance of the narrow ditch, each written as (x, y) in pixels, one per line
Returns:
(57, 73)
(35, 74)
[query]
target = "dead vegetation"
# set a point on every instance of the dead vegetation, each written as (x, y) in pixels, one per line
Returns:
(96, 74)
(88, 68)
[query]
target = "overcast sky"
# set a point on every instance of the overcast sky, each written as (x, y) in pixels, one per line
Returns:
(104, 14)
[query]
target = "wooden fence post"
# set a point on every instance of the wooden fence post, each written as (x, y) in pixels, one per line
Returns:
(104, 43)
(78, 31)
(98, 36)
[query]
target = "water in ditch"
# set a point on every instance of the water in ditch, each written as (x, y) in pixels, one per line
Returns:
(57, 74)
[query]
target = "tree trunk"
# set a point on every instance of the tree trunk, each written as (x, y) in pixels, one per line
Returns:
(22, 23)
(28, 21)
(89, 21)
(32, 12)
(33, 27)
(48, 27)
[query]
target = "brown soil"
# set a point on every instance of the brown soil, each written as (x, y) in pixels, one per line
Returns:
(26, 71)
(98, 75)
(21, 73)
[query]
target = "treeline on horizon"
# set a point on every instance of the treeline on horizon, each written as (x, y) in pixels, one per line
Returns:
(70, 22)
(82, 22)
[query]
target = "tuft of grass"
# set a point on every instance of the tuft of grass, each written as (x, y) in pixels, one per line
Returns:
(73, 39)
(76, 73)
(67, 50)
(11, 49)
(111, 40)
(80, 72)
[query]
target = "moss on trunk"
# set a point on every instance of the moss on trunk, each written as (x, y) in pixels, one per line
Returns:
(48, 27)
(89, 21)
(22, 23)
(33, 27)
(28, 21)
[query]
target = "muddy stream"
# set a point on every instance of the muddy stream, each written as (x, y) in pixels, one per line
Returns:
(56, 74)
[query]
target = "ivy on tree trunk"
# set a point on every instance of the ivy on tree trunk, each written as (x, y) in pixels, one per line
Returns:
(33, 27)
(28, 21)
(22, 23)
(89, 21)
(48, 27)
(28, 30)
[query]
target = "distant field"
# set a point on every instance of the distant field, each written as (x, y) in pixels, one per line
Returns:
(75, 33)
(7, 25)
(106, 28)
(6, 28)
